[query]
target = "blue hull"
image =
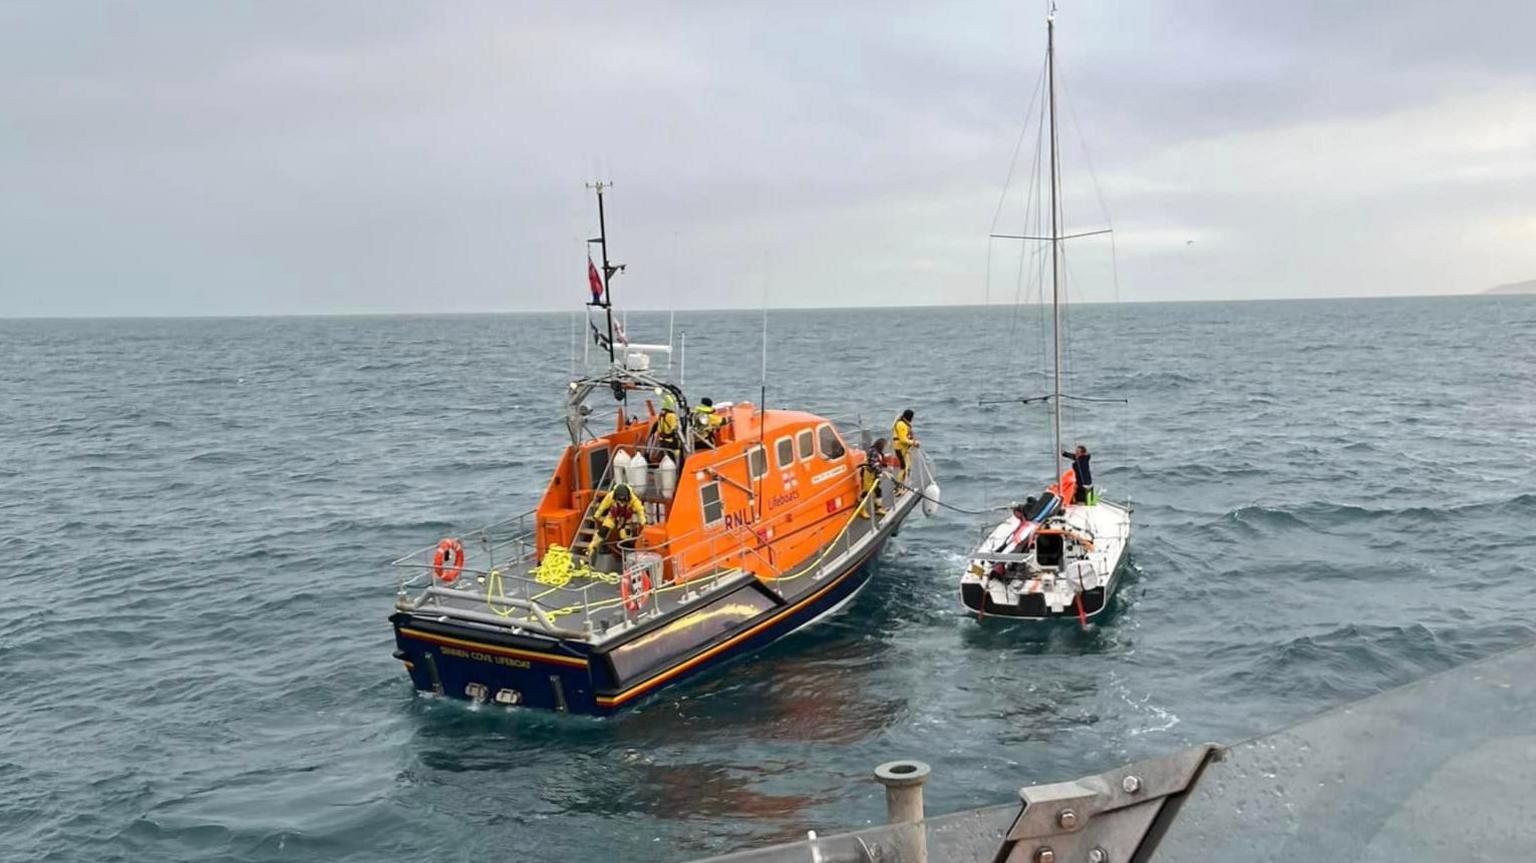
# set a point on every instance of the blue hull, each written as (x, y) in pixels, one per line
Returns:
(456, 659)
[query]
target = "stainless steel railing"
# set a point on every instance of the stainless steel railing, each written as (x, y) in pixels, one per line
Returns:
(500, 557)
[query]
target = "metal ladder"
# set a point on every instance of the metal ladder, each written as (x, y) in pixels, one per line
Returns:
(587, 530)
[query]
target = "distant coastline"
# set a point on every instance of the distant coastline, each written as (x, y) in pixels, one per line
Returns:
(1526, 287)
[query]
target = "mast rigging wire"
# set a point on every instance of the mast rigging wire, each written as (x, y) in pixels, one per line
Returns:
(1018, 145)
(1029, 253)
(1058, 340)
(985, 511)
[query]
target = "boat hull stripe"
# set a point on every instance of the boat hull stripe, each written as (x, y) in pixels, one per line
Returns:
(492, 648)
(616, 700)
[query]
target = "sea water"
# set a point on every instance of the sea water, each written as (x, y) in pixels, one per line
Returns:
(197, 516)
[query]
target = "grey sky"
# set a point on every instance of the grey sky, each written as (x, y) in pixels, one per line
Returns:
(240, 158)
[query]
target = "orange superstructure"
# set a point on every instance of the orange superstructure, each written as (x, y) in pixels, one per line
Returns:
(776, 489)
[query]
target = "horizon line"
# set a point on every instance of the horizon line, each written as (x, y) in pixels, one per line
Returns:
(550, 311)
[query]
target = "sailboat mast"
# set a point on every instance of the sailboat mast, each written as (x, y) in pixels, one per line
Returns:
(1050, 65)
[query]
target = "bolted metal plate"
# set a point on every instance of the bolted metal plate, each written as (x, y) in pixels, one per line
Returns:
(1105, 817)
(1091, 796)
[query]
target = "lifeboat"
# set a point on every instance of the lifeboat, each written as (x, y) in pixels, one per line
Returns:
(732, 537)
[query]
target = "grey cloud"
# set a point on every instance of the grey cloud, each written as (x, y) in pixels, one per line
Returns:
(284, 157)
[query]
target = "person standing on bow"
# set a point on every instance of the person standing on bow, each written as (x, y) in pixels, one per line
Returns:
(619, 517)
(870, 470)
(704, 424)
(1081, 473)
(903, 441)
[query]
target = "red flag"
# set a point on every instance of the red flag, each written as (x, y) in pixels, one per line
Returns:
(594, 280)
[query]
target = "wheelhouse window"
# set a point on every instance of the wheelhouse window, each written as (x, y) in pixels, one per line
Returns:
(830, 444)
(597, 468)
(803, 441)
(785, 452)
(757, 462)
(710, 503)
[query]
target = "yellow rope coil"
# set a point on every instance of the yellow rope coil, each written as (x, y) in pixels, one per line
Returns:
(560, 566)
(556, 568)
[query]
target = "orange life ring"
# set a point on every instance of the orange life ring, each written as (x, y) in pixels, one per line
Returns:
(635, 589)
(448, 562)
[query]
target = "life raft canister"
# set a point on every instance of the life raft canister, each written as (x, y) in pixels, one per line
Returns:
(448, 562)
(635, 589)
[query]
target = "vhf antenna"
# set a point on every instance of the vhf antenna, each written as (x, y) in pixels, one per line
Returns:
(608, 269)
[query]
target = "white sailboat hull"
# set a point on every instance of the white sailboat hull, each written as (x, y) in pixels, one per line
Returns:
(1082, 588)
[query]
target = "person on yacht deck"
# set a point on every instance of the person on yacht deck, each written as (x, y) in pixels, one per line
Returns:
(1082, 472)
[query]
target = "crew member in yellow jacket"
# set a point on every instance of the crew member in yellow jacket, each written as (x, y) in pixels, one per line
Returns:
(902, 441)
(667, 432)
(620, 516)
(705, 423)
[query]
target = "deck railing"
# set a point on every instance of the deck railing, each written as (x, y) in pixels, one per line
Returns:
(500, 582)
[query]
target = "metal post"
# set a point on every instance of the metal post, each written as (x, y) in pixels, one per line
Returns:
(903, 781)
(602, 228)
(1050, 67)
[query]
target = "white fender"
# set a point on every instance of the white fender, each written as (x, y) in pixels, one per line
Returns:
(931, 499)
(620, 469)
(639, 466)
(666, 476)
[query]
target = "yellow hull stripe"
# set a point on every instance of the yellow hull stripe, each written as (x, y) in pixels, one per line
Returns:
(492, 648)
(614, 701)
